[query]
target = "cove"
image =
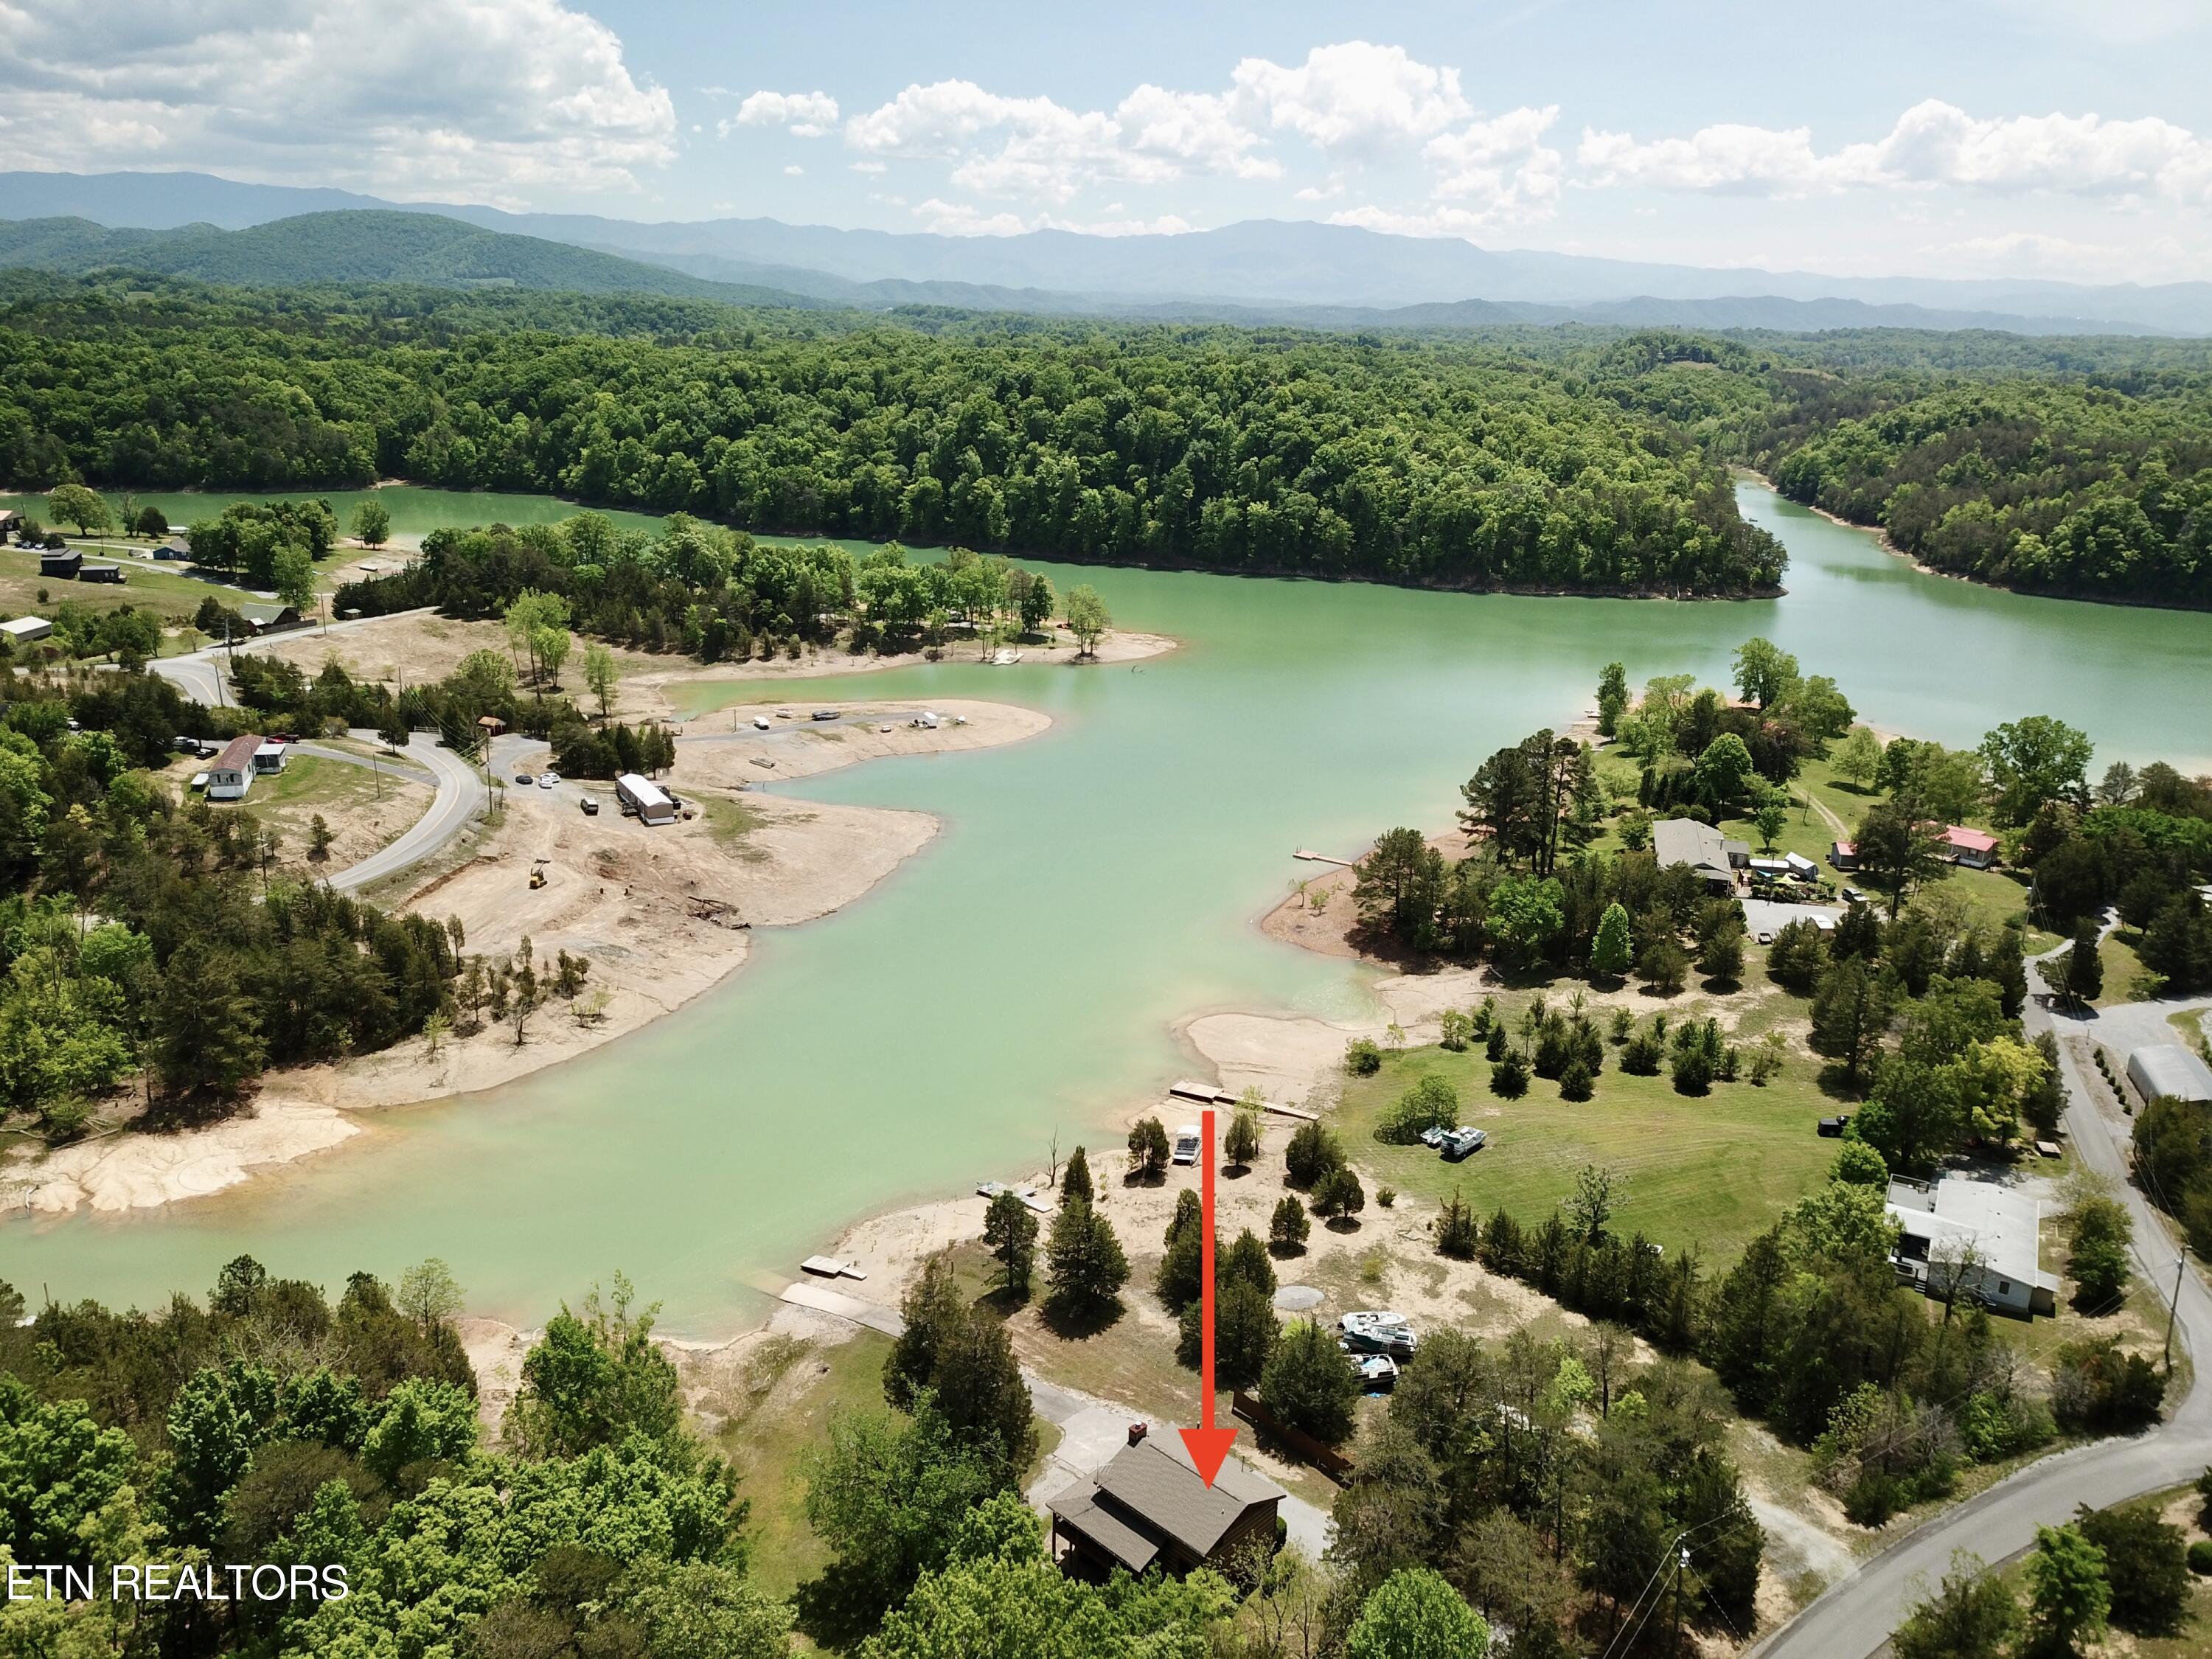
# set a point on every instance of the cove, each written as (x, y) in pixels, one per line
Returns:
(1089, 889)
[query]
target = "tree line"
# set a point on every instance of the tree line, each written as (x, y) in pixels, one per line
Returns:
(1429, 462)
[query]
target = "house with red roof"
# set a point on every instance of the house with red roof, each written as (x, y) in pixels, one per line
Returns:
(1975, 848)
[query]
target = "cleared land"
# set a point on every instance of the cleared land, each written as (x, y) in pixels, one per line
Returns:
(1710, 1171)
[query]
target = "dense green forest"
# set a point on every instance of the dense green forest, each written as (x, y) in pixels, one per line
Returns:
(1418, 462)
(1567, 458)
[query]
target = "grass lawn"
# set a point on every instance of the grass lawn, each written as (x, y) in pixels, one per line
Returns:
(1712, 1171)
(730, 823)
(150, 589)
(801, 1386)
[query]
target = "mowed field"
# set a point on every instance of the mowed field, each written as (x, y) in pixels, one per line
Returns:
(1711, 1172)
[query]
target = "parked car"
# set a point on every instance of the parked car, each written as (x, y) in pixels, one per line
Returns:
(1834, 1126)
(591, 806)
(760, 722)
(547, 779)
(525, 778)
(1187, 1143)
(825, 713)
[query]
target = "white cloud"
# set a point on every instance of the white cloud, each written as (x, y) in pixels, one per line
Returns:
(411, 98)
(1353, 95)
(870, 166)
(808, 114)
(794, 171)
(1041, 150)
(1932, 143)
(962, 219)
(1502, 168)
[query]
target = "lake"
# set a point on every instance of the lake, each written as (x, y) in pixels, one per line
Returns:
(1090, 887)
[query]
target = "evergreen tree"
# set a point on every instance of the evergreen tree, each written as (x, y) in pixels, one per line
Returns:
(1308, 1383)
(1611, 952)
(1084, 1264)
(1010, 1229)
(1075, 1179)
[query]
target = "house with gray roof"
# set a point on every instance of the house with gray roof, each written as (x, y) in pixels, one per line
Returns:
(1147, 1508)
(1704, 848)
(1980, 1240)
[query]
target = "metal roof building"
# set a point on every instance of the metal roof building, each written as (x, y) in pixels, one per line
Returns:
(1985, 1235)
(2167, 1068)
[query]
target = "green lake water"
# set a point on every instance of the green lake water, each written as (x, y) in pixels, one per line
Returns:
(1090, 887)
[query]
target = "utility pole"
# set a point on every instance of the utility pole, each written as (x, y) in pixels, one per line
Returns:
(1681, 1566)
(2173, 1306)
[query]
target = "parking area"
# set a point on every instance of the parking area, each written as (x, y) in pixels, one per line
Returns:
(1762, 918)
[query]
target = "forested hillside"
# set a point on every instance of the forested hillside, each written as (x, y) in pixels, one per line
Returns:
(2094, 482)
(358, 248)
(1419, 461)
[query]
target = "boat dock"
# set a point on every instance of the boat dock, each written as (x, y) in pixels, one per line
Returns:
(1312, 857)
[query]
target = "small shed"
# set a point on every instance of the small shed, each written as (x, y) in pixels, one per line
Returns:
(111, 573)
(490, 725)
(25, 629)
(232, 773)
(1843, 855)
(62, 564)
(2168, 1069)
(645, 798)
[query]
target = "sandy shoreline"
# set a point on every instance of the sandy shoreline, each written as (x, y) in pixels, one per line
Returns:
(663, 914)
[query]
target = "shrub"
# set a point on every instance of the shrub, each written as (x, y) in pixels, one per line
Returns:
(1693, 1070)
(2200, 1557)
(1338, 1193)
(1457, 1235)
(1241, 1145)
(1362, 1057)
(2095, 1387)
(1308, 1383)
(1313, 1152)
(1644, 1054)
(1497, 1043)
(1509, 1078)
(1287, 1232)
(1576, 1082)
(1431, 1103)
(1148, 1148)
(1454, 1029)
(1386, 1196)
(2144, 1562)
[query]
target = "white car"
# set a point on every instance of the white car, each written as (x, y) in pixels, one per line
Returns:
(760, 723)
(547, 779)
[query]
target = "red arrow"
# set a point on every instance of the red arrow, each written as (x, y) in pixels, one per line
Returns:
(1208, 1445)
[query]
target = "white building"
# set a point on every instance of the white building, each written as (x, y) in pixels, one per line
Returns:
(2167, 1068)
(1983, 1237)
(24, 630)
(645, 798)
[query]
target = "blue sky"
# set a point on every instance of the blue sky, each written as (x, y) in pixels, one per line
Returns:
(1981, 137)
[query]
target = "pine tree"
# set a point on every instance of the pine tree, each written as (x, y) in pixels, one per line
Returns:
(1456, 1234)
(1010, 1231)
(1084, 1263)
(1075, 1179)
(1613, 950)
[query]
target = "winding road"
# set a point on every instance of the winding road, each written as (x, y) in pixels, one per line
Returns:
(1854, 1617)
(199, 676)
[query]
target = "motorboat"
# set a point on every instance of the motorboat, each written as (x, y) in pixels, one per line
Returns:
(1379, 1331)
(1460, 1143)
(1187, 1143)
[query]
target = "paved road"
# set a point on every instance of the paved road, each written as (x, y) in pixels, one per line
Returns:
(199, 674)
(460, 796)
(1854, 1617)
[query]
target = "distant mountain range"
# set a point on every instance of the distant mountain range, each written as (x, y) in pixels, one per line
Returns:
(1256, 272)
